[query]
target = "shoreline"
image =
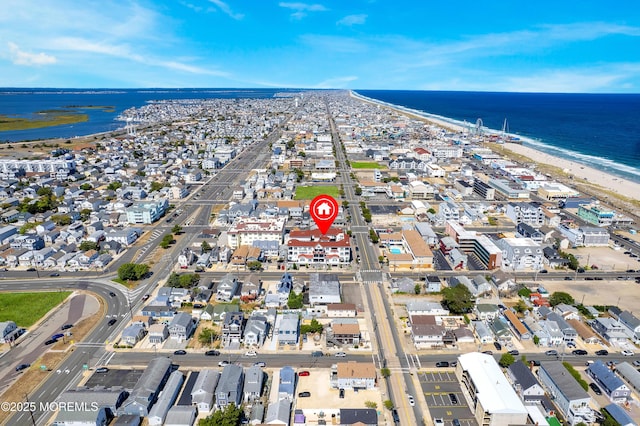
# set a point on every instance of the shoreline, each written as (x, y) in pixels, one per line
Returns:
(621, 188)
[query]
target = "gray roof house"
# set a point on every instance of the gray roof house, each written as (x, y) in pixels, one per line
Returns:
(166, 399)
(569, 397)
(147, 388)
(107, 400)
(232, 327)
(256, 330)
(612, 385)
(324, 289)
(158, 333)
(181, 326)
(278, 413)
(524, 382)
(287, 384)
(359, 416)
(287, 328)
(181, 415)
(132, 334)
(253, 380)
(227, 288)
(229, 388)
(204, 389)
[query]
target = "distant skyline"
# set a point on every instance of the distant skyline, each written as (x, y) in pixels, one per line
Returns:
(544, 46)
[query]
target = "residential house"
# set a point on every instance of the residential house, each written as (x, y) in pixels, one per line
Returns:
(611, 330)
(181, 326)
(166, 399)
(147, 388)
(341, 310)
(180, 415)
(358, 417)
(232, 327)
(229, 388)
(324, 289)
(227, 288)
(256, 330)
(355, 376)
(345, 333)
(609, 382)
(287, 383)
(204, 390)
(106, 401)
(524, 382)
(427, 335)
(9, 331)
(253, 381)
(132, 334)
(568, 395)
(158, 333)
(278, 413)
(287, 329)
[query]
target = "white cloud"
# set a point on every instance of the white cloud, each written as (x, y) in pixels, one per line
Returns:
(336, 82)
(20, 57)
(350, 20)
(300, 9)
(227, 10)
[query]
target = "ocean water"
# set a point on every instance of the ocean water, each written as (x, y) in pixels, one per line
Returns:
(595, 129)
(25, 102)
(598, 130)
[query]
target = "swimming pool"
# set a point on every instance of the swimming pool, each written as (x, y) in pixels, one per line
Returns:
(395, 250)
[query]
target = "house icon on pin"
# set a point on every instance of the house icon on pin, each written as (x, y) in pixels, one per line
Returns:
(323, 209)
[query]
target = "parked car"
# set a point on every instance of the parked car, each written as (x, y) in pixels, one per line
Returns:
(31, 270)
(514, 352)
(412, 402)
(579, 352)
(212, 353)
(50, 342)
(571, 345)
(543, 271)
(396, 416)
(551, 352)
(595, 388)
(568, 278)
(455, 422)
(341, 393)
(497, 345)
(102, 370)
(57, 336)
(66, 326)
(341, 354)
(442, 364)
(636, 363)
(251, 353)
(260, 364)
(180, 352)
(627, 352)
(488, 352)
(602, 352)
(223, 363)
(303, 373)
(453, 398)
(304, 394)
(22, 367)
(438, 422)
(317, 354)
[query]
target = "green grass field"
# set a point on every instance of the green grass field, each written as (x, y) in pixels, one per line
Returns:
(25, 309)
(311, 192)
(366, 165)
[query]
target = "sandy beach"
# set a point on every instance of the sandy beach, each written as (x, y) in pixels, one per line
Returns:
(613, 183)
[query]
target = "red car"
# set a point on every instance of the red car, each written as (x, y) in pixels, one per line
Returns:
(303, 373)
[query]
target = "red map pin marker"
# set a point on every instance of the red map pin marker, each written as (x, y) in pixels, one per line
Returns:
(323, 209)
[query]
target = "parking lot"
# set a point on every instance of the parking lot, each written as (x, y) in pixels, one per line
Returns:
(441, 389)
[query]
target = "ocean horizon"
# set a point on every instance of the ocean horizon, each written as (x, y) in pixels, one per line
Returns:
(598, 130)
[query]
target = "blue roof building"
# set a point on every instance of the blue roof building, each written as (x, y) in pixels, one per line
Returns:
(612, 385)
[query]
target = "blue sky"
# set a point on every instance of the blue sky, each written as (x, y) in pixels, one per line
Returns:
(541, 46)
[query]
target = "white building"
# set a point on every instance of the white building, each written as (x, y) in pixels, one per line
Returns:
(520, 253)
(245, 231)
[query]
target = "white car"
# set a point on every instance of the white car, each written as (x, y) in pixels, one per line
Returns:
(341, 354)
(251, 353)
(412, 402)
(438, 422)
(627, 352)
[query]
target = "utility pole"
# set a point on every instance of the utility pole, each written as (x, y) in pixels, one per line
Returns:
(26, 397)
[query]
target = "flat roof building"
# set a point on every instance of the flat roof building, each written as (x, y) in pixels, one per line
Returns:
(491, 398)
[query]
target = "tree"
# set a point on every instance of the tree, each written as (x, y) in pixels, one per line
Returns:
(385, 372)
(61, 219)
(520, 306)
(295, 301)
(254, 265)
(229, 416)
(388, 404)
(114, 185)
(313, 327)
(132, 271)
(417, 289)
(506, 360)
(536, 339)
(371, 404)
(86, 186)
(156, 186)
(207, 336)
(373, 236)
(88, 245)
(177, 229)
(458, 299)
(358, 190)
(84, 214)
(205, 247)
(559, 297)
